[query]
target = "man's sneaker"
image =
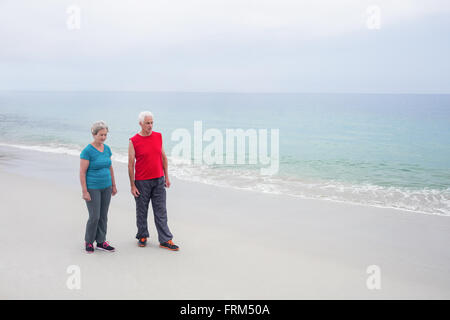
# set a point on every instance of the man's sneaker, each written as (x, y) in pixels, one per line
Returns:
(105, 247)
(142, 242)
(169, 245)
(89, 247)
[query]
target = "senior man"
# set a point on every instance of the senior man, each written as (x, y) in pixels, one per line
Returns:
(147, 169)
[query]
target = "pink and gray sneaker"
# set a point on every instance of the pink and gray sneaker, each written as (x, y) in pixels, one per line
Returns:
(89, 247)
(105, 247)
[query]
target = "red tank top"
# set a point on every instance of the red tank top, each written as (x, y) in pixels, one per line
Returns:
(148, 156)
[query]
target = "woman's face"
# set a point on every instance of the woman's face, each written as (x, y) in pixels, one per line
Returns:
(101, 135)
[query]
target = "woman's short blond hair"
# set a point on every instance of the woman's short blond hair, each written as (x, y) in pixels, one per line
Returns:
(97, 126)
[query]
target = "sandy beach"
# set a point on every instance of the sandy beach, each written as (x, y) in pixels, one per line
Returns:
(233, 244)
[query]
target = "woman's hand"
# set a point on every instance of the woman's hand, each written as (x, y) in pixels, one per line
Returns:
(114, 190)
(86, 196)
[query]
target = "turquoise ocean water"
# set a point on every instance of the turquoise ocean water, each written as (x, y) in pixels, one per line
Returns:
(380, 150)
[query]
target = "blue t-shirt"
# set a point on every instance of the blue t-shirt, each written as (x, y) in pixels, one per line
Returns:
(98, 175)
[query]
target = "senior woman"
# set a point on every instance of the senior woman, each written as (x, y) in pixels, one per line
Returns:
(97, 185)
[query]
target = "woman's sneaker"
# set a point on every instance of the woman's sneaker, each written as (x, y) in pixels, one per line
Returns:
(89, 247)
(169, 245)
(142, 242)
(105, 247)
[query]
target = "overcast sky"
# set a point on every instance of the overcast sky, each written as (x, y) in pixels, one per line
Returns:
(226, 45)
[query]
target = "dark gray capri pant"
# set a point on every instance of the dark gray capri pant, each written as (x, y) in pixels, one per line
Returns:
(154, 190)
(98, 215)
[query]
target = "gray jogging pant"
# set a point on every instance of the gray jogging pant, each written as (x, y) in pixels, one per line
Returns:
(154, 190)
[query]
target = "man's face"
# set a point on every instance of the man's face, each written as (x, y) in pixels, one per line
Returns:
(147, 125)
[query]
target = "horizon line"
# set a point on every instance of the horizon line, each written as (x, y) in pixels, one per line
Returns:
(229, 92)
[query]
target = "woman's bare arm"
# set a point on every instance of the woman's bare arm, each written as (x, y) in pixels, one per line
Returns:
(84, 165)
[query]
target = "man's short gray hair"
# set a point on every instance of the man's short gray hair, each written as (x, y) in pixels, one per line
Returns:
(97, 126)
(144, 114)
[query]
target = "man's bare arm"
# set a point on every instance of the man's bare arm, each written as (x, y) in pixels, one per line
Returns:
(165, 164)
(131, 161)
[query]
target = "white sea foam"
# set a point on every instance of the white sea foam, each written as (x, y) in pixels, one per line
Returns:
(72, 150)
(427, 200)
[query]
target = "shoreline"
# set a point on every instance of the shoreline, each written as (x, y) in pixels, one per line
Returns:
(75, 153)
(233, 245)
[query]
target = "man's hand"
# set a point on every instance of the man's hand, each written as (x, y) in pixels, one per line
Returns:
(135, 192)
(167, 183)
(114, 190)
